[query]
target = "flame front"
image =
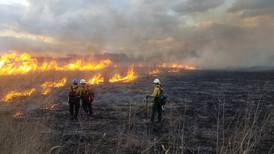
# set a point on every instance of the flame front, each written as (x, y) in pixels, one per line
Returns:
(17, 64)
(131, 75)
(13, 63)
(177, 66)
(77, 65)
(13, 94)
(47, 86)
(97, 79)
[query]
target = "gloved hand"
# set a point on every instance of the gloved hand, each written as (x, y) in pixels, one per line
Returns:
(163, 108)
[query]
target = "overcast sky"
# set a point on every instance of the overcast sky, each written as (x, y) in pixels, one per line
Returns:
(206, 33)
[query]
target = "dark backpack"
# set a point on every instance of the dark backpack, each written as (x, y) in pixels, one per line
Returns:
(88, 94)
(163, 98)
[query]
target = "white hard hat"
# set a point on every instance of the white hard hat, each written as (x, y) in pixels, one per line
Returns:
(83, 81)
(156, 81)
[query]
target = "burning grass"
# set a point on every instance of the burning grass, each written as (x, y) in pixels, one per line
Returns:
(47, 86)
(27, 83)
(40, 70)
(96, 80)
(50, 107)
(154, 71)
(177, 66)
(13, 63)
(130, 76)
(18, 114)
(13, 94)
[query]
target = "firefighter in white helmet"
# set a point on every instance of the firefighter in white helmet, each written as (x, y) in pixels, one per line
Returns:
(87, 96)
(82, 81)
(157, 107)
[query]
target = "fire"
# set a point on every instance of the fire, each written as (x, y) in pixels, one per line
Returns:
(187, 67)
(17, 64)
(51, 107)
(97, 79)
(131, 75)
(47, 86)
(154, 72)
(77, 65)
(45, 91)
(13, 94)
(174, 70)
(13, 63)
(177, 66)
(18, 115)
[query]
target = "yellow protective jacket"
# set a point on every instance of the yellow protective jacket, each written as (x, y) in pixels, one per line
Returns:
(156, 91)
(74, 91)
(86, 93)
(82, 90)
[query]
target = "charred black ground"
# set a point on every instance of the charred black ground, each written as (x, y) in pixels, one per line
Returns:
(208, 112)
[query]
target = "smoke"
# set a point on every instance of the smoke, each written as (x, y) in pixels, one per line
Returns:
(205, 33)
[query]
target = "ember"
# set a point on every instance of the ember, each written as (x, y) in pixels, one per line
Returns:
(18, 115)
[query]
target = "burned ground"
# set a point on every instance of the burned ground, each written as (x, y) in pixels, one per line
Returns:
(208, 112)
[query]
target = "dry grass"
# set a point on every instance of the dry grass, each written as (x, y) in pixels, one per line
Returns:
(125, 129)
(21, 137)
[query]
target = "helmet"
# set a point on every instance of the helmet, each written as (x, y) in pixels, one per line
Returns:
(83, 81)
(156, 81)
(74, 81)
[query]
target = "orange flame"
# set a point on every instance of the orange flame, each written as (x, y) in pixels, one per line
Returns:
(17, 64)
(174, 70)
(47, 86)
(77, 65)
(13, 63)
(51, 107)
(187, 67)
(18, 115)
(13, 94)
(97, 79)
(131, 75)
(177, 67)
(154, 72)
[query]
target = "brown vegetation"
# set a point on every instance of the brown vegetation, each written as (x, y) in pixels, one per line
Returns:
(208, 112)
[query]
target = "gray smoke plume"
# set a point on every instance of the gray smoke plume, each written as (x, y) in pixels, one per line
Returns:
(205, 33)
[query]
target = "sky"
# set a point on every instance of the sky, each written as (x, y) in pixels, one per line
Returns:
(205, 33)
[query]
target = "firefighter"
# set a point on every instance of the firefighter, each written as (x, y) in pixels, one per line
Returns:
(74, 100)
(157, 107)
(87, 97)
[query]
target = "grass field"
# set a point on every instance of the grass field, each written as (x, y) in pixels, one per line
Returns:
(208, 112)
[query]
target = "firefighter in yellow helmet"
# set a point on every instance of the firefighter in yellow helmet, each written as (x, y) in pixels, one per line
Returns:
(74, 100)
(157, 107)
